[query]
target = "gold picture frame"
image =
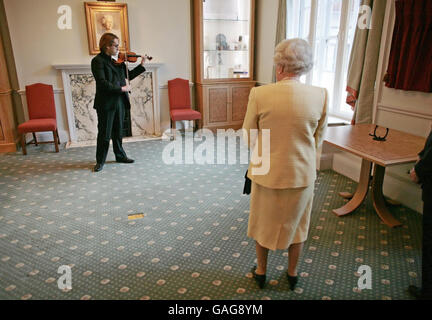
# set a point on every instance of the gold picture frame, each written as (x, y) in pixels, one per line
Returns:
(106, 17)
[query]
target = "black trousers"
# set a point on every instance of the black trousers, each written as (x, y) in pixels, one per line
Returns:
(427, 246)
(110, 126)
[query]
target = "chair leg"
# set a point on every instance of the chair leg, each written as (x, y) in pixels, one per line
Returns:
(175, 128)
(23, 144)
(34, 138)
(58, 137)
(56, 140)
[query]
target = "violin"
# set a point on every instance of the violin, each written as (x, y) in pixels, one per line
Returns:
(129, 57)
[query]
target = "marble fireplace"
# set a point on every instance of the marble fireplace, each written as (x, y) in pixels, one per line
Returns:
(79, 90)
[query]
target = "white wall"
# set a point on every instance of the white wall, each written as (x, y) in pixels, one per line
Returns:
(160, 28)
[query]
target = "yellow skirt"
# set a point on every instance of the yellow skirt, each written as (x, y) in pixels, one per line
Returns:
(279, 217)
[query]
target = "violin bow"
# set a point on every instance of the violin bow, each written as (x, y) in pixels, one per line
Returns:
(126, 64)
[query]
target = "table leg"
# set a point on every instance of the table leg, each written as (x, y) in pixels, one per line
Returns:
(361, 191)
(378, 198)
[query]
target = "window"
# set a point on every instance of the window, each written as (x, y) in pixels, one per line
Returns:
(329, 26)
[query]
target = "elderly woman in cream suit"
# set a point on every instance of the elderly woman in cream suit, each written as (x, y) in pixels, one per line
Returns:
(293, 116)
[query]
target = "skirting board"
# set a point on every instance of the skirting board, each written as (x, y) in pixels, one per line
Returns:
(397, 185)
(7, 147)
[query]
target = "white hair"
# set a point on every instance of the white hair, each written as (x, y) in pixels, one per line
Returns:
(294, 55)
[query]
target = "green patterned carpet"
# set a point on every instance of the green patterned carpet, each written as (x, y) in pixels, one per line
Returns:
(192, 242)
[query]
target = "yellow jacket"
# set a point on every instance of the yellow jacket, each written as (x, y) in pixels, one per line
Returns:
(295, 115)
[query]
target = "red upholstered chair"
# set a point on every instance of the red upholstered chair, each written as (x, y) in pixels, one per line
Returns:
(42, 114)
(180, 102)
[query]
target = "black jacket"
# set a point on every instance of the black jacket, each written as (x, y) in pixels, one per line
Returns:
(423, 169)
(109, 80)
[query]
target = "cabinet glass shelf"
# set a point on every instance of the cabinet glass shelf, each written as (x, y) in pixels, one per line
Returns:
(226, 30)
(224, 59)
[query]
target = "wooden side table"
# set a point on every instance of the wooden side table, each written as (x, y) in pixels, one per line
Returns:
(399, 148)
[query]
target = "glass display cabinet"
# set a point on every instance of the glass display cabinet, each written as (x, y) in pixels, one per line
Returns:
(224, 55)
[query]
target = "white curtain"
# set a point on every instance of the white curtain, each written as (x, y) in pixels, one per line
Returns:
(280, 27)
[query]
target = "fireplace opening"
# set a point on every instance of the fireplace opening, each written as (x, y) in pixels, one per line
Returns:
(79, 88)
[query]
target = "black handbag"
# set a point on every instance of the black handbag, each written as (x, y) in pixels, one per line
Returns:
(247, 184)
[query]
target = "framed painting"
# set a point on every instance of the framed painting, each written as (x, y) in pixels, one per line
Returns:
(103, 17)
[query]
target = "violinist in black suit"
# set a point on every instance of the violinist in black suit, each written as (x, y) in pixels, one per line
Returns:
(111, 98)
(422, 174)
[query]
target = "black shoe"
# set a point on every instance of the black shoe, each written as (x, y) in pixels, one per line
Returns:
(259, 278)
(125, 160)
(418, 293)
(292, 281)
(98, 167)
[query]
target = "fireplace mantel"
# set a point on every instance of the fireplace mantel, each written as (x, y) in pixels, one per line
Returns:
(79, 88)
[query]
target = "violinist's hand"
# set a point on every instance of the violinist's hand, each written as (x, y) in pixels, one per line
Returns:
(143, 60)
(126, 88)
